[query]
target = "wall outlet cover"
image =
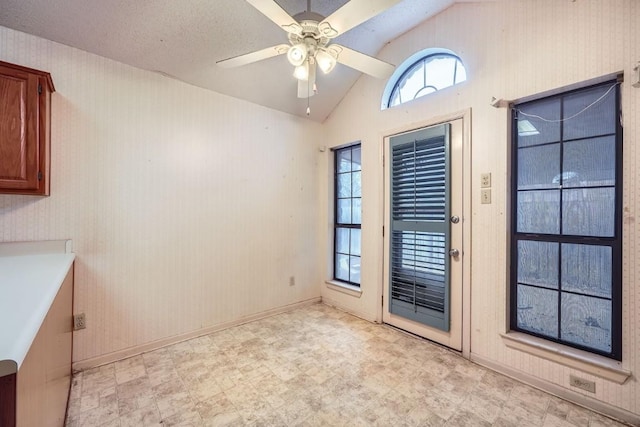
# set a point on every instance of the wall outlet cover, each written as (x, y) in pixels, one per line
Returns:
(582, 384)
(485, 197)
(485, 180)
(79, 321)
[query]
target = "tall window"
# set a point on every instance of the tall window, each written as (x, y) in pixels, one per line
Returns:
(566, 242)
(348, 214)
(423, 73)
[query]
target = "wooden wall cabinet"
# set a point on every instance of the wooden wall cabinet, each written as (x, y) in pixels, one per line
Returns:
(25, 130)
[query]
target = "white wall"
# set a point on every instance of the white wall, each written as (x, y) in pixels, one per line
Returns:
(511, 49)
(187, 209)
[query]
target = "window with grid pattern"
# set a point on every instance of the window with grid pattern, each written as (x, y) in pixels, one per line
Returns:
(566, 239)
(423, 73)
(348, 214)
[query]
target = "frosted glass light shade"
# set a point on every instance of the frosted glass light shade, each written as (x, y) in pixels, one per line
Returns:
(297, 54)
(326, 62)
(301, 72)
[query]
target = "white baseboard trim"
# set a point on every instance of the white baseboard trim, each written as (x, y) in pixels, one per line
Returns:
(559, 391)
(335, 304)
(115, 356)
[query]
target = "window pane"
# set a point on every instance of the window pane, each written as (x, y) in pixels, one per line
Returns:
(425, 91)
(538, 310)
(539, 212)
(590, 162)
(344, 185)
(344, 160)
(344, 211)
(412, 82)
(538, 123)
(538, 167)
(342, 267)
(354, 265)
(538, 263)
(586, 321)
(587, 269)
(588, 212)
(597, 119)
(355, 241)
(356, 158)
(440, 71)
(357, 211)
(356, 181)
(342, 240)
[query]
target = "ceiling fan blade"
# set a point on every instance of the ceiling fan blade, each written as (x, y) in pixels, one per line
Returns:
(352, 14)
(361, 62)
(273, 11)
(258, 55)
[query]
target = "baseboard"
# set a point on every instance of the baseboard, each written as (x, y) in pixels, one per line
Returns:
(561, 392)
(335, 304)
(115, 356)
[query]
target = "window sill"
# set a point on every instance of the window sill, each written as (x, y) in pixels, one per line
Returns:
(345, 288)
(590, 363)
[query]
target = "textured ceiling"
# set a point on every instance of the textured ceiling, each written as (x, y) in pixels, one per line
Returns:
(185, 38)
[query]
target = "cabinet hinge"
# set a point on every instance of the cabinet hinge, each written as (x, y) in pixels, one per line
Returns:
(39, 89)
(39, 175)
(383, 231)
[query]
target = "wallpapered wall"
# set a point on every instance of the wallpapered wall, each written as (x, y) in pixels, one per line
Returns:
(511, 50)
(186, 208)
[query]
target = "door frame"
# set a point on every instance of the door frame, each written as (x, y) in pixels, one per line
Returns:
(465, 116)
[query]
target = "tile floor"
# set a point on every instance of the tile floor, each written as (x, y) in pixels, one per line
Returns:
(314, 366)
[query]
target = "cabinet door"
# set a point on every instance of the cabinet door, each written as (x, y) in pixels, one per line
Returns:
(19, 129)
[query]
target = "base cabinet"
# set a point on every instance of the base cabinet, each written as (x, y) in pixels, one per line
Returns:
(37, 395)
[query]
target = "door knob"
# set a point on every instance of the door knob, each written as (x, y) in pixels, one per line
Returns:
(454, 253)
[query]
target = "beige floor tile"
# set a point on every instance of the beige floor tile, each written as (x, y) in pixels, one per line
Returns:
(225, 419)
(314, 366)
(143, 417)
(132, 373)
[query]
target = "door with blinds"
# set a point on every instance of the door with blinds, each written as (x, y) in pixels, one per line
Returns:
(423, 245)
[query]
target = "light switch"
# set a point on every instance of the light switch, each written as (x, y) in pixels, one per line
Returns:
(485, 180)
(485, 197)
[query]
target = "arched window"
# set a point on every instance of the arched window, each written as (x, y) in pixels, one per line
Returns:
(422, 73)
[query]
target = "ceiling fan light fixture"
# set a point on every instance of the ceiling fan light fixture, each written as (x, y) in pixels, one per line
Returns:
(301, 72)
(326, 61)
(297, 54)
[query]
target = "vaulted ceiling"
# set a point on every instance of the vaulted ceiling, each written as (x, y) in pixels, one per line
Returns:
(184, 39)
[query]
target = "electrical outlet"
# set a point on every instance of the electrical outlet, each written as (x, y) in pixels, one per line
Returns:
(485, 180)
(79, 321)
(583, 384)
(292, 281)
(485, 197)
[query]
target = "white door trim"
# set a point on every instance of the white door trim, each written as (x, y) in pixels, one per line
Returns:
(465, 116)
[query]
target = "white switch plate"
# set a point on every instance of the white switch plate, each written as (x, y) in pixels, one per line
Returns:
(485, 180)
(485, 197)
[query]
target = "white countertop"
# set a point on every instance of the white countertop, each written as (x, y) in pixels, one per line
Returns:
(28, 286)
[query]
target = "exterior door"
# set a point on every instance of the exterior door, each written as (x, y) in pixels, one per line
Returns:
(423, 233)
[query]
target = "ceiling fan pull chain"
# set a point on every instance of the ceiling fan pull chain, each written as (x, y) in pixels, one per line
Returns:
(308, 84)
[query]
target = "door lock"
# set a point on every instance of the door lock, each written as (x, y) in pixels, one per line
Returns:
(455, 219)
(454, 253)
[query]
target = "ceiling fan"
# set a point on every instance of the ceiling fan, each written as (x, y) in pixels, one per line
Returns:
(310, 46)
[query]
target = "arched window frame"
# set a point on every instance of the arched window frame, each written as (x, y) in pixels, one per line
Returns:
(402, 70)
